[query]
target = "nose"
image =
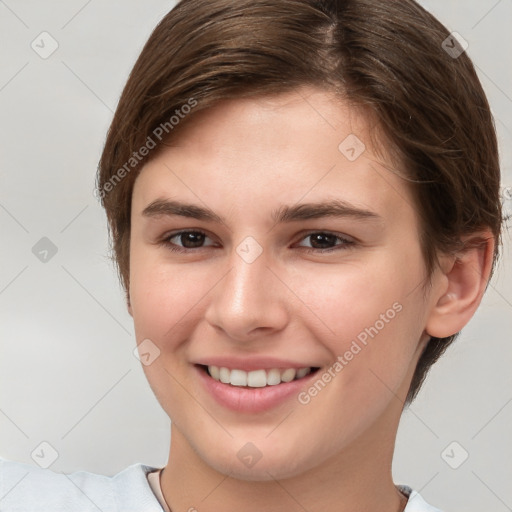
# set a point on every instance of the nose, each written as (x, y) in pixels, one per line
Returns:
(249, 301)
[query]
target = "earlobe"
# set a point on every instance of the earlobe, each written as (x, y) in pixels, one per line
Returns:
(465, 283)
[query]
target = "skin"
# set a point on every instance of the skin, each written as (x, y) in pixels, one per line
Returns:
(243, 159)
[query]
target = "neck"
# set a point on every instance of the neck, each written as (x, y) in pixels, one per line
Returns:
(359, 478)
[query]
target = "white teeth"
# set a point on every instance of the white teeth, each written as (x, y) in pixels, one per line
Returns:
(256, 378)
(238, 378)
(273, 377)
(302, 372)
(214, 372)
(288, 375)
(224, 375)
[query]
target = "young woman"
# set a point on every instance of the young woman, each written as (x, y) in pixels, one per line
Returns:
(303, 199)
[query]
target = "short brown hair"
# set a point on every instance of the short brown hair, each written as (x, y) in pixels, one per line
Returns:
(389, 57)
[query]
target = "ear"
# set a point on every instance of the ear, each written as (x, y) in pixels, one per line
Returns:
(465, 278)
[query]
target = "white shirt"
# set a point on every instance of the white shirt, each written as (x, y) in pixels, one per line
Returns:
(26, 488)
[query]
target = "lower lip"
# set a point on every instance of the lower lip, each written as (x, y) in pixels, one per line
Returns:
(252, 400)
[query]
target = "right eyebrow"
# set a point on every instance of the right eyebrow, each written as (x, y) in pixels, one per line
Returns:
(171, 208)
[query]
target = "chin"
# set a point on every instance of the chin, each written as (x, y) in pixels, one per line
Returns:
(248, 464)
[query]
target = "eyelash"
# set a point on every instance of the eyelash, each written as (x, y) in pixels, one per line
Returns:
(346, 243)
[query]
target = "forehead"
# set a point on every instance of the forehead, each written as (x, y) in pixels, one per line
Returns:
(264, 151)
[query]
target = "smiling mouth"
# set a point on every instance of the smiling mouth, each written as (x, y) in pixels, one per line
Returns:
(256, 378)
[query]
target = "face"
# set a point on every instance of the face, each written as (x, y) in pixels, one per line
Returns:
(267, 241)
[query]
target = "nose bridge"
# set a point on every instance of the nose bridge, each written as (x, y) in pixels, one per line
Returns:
(245, 282)
(249, 298)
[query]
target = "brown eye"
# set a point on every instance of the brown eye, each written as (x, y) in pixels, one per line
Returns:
(185, 240)
(324, 241)
(191, 239)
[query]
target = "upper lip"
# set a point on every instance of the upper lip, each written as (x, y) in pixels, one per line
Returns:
(251, 363)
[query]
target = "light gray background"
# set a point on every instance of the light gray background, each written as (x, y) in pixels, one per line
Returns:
(68, 375)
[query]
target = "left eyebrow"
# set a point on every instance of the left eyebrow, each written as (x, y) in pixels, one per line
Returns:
(334, 208)
(283, 214)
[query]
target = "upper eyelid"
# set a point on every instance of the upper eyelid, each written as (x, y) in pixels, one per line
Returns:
(172, 234)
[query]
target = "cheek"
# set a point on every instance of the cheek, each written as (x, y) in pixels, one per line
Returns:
(164, 297)
(370, 314)
(374, 324)
(149, 295)
(351, 296)
(165, 304)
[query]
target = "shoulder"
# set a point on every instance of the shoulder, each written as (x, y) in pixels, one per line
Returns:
(416, 502)
(29, 489)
